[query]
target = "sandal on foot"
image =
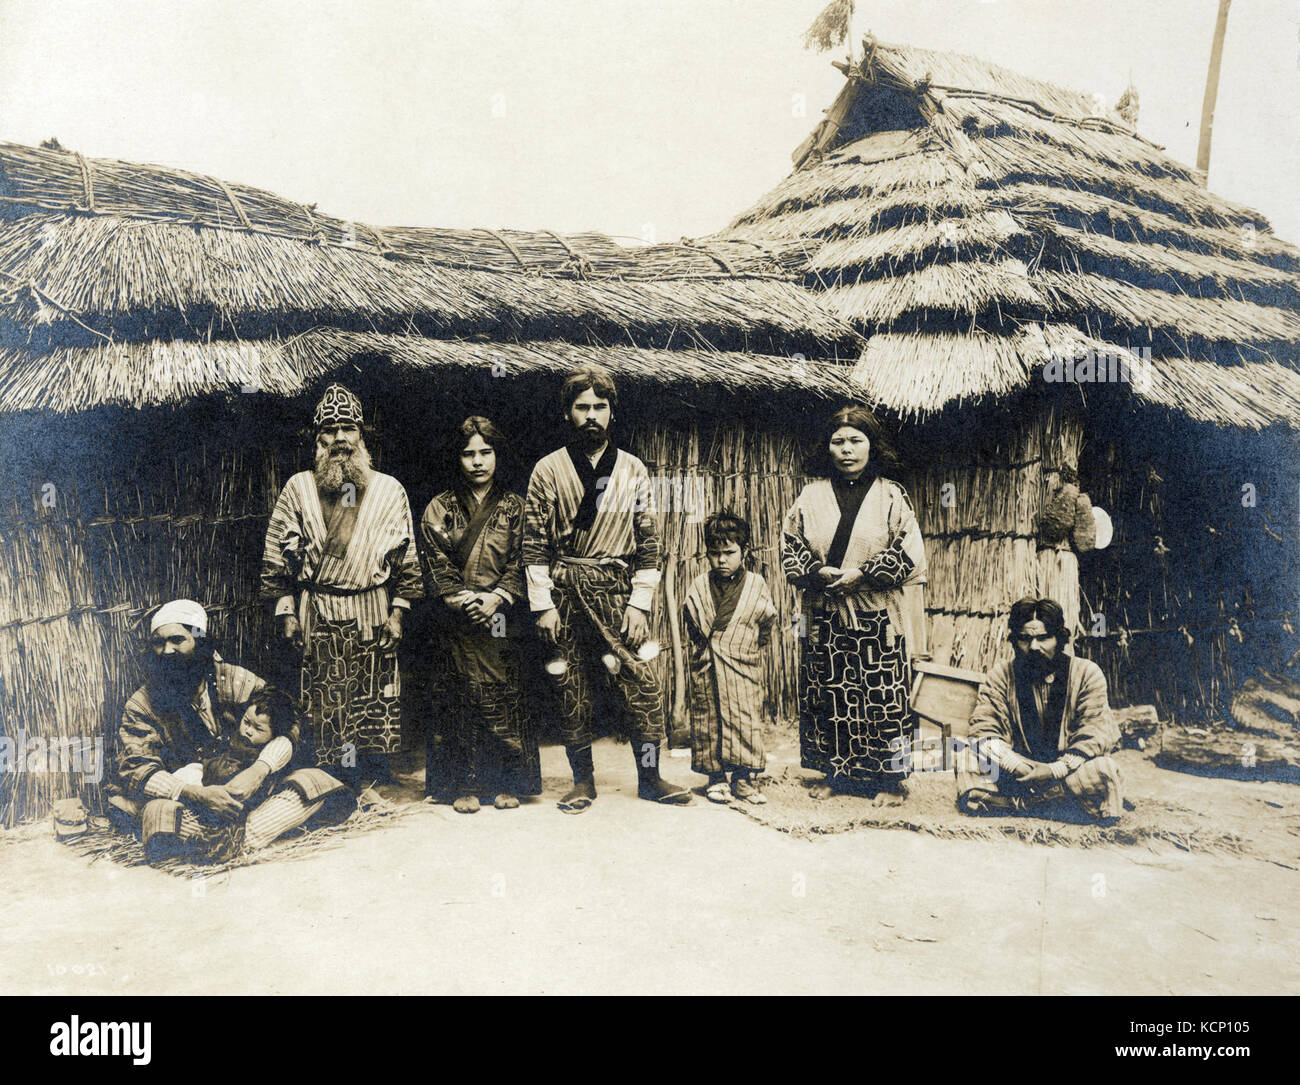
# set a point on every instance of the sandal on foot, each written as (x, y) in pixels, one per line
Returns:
(718, 792)
(579, 799)
(747, 791)
(505, 801)
(466, 804)
(660, 790)
(821, 791)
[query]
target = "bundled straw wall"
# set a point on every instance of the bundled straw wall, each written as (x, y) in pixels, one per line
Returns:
(977, 503)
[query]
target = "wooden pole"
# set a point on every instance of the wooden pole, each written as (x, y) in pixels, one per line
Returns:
(1212, 89)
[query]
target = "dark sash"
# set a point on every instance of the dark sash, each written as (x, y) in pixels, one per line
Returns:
(849, 499)
(477, 521)
(1042, 734)
(589, 476)
(726, 596)
(338, 532)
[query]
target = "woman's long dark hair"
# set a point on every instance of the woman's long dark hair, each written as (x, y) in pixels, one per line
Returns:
(882, 460)
(491, 435)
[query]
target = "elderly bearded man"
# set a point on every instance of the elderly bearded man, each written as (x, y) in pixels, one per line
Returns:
(591, 557)
(341, 565)
(189, 709)
(1043, 721)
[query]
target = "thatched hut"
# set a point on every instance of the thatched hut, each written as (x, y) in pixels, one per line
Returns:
(162, 337)
(990, 233)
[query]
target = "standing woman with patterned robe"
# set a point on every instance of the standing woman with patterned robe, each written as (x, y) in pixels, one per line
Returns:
(852, 544)
(483, 742)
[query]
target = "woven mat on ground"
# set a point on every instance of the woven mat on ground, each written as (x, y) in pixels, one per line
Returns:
(931, 808)
(103, 842)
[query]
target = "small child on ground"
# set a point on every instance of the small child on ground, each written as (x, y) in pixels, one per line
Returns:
(728, 615)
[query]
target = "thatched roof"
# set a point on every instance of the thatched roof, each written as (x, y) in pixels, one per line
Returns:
(133, 285)
(973, 222)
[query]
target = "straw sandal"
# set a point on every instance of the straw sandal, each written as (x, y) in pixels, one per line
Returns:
(505, 801)
(466, 804)
(747, 791)
(579, 798)
(719, 792)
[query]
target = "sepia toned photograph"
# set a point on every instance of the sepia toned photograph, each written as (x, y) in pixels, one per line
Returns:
(604, 497)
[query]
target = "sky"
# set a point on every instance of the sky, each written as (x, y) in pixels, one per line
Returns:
(644, 119)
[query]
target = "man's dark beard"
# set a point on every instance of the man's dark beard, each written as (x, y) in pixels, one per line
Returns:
(1037, 664)
(174, 680)
(590, 435)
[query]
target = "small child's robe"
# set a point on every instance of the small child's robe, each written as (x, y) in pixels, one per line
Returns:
(726, 668)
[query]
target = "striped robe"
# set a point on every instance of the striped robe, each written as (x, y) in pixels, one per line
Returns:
(624, 528)
(727, 676)
(351, 692)
(143, 795)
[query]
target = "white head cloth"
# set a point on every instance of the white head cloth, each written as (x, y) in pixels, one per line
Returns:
(182, 612)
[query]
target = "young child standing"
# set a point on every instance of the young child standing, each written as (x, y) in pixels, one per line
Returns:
(728, 615)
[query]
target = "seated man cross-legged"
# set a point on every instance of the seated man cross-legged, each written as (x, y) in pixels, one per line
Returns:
(196, 710)
(1041, 728)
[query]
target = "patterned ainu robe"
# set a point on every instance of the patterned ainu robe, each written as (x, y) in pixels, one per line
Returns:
(351, 691)
(484, 740)
(590, 576)
(726, 668)
(855, 672)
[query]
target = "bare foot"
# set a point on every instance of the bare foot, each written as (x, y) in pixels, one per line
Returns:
(505, 801)
(821, 791)
(466, 804)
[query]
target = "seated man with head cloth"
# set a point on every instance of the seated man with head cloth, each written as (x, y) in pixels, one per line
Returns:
(188, 710)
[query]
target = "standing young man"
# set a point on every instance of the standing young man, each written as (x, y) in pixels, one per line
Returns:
(591, 555)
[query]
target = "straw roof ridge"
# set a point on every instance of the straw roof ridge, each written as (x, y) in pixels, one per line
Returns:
(918, 70)
(950, 202)
(155, 372)
(120, 275)
(36, 180)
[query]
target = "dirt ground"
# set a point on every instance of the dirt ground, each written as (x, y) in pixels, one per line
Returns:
(634, 898)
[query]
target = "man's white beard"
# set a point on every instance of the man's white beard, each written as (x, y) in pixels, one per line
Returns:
(332, 472)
